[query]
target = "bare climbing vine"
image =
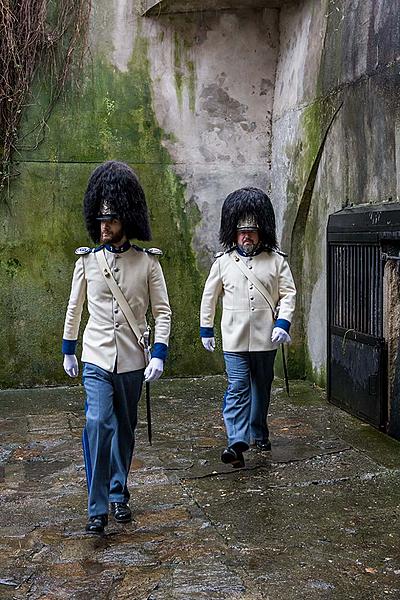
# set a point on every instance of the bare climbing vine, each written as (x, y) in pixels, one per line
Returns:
(36, 36)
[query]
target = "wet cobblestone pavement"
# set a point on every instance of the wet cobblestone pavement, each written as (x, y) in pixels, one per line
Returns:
(317, 518)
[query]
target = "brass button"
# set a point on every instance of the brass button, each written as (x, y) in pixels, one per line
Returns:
(250, 267)
(106, 273)
(237, 258)
(116, 270)
(115, 310)
(252, 298)
(116, 325)
(252, 308)
(251, 287)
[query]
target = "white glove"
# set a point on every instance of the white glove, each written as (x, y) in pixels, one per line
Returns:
(154, 369)
(209, 343)
(280, 336)
(70, 365)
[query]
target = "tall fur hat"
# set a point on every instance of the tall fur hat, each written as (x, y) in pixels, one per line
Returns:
(248, 205)
(115, 185)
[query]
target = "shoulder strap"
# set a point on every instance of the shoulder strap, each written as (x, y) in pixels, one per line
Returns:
(254, 280)
(119, 296)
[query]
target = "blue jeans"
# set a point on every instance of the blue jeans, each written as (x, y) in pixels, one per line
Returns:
(109, 434)
(246, 400)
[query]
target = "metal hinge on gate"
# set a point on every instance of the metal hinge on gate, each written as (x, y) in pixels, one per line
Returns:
(389, 257)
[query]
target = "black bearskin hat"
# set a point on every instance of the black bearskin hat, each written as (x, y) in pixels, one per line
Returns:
(252, 204)
(115, 185)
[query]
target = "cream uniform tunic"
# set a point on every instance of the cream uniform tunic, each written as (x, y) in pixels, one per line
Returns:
(247, 320)
(108, 340)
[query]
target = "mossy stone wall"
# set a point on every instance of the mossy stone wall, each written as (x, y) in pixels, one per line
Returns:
(111, 116)
(171, 98)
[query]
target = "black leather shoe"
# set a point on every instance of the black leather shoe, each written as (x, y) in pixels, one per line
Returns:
(121, 511)
(96, 524)
(233, 457)
(264, 446)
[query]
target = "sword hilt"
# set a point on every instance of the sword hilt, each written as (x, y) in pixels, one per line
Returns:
(146, 344)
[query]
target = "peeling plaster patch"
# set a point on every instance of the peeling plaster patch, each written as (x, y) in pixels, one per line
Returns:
(267, 86)
(218, 104)
(123, 34)
(208, 156)
(249, 126)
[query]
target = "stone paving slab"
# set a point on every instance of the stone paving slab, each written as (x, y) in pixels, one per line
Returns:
(316, 518)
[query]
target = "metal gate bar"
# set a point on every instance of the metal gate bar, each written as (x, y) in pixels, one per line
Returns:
(356, 295)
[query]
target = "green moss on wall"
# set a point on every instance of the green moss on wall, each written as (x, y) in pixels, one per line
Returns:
(184, 71)
(191, 79)
(111, 117)
(309, 372)
(178, 67)
(40, 232)
(304, 212)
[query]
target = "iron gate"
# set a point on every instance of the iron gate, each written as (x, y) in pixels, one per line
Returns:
(357, 242)
(356, 347)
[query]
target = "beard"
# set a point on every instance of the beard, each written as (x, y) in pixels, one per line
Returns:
(248, 247)
(112, 239)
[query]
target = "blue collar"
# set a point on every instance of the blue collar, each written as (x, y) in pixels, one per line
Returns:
(257, 251)
(118, 250)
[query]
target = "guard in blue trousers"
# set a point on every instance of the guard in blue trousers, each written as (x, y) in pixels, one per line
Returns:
(254, 281)
(119, 281)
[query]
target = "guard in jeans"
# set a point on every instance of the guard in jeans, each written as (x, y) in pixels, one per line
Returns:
(258, 300)
(113, 345)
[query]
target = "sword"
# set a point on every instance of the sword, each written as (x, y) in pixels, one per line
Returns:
(285, 371)
(146, 342)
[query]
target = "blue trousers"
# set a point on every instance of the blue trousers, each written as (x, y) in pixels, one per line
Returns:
(246, 401)
(109, 434)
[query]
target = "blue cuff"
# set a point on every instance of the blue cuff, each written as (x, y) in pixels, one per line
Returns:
(283, 324)
(69, 346)
(159, 350)
(206, 332)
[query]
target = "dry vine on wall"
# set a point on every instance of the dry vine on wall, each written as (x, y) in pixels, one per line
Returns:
(36, 36)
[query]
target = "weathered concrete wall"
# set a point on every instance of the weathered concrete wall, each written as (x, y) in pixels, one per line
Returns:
(336, 55)
(187, 102)
(302, 101)
(213, 85)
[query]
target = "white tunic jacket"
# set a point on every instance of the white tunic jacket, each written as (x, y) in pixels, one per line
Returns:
(247, 319)
(108, 340)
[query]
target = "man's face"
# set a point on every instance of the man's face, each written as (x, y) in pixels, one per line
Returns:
(111, 232)
(247, 240)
